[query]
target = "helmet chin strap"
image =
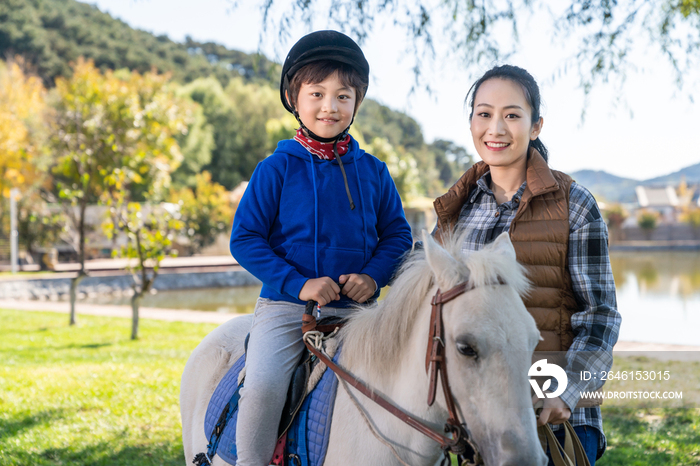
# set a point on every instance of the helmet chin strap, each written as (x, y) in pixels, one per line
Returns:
(334, 140)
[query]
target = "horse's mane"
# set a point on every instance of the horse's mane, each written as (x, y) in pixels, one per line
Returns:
(376, 335)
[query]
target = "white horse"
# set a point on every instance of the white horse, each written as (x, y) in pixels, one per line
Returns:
(489, 339)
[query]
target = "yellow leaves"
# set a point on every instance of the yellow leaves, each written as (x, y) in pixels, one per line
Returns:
(121, 120)
(21, 113)
(689, 7)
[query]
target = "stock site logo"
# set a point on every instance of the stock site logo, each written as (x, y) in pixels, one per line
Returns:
(542, 369)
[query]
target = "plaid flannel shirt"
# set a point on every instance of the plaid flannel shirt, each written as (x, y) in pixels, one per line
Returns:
(597, 324)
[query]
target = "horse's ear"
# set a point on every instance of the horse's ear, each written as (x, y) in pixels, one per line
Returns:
(502, 245)
(444, 266)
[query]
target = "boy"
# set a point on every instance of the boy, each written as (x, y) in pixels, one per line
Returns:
(318, 211)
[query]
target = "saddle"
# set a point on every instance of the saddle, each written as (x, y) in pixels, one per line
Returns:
(222, 412)
(297, 391)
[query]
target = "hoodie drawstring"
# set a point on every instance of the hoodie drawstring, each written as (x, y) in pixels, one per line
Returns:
(342, 170)
(313, 181)
(368, 255)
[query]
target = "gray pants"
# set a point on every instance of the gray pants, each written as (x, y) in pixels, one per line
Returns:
(274, 349)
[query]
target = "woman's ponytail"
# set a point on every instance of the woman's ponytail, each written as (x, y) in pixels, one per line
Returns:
(541, 148)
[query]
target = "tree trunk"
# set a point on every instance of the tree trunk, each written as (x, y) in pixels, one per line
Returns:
(73, 292)
(81, 259)
(135, 302)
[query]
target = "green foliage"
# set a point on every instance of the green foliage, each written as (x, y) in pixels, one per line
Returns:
(112, 132)
(105, 122)
(439, 164)
(240, 120)
(647, 219)
(89, 396)
(402, 167)
(379, 121)
(615, 215)
(205, 212)
(37, 224)
(54, 33)
(239, 116)
(606, 34)
(150, 234)
(197, 145)
(230, 64)
(692, 217)
(282, 128)
(451, 160)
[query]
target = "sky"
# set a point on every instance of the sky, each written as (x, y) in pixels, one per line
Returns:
(654, 133)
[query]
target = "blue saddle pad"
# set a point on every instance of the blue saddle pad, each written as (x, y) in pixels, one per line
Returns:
(307, 437)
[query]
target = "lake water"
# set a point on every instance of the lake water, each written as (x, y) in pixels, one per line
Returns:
(658, 296)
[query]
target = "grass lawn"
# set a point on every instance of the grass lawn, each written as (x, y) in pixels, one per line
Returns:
(90, 396)
(25, 275)
(643, 435)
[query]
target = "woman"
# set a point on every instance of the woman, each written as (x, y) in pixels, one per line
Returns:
(558, 233)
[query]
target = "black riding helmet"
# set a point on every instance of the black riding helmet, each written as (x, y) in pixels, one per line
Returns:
(321, 46)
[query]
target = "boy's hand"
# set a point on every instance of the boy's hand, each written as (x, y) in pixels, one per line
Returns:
(322, 290)
(358, 287)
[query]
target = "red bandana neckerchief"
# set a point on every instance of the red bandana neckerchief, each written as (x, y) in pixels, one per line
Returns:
(322, 150)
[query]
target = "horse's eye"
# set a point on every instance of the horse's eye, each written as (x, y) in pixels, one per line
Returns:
(466, 350)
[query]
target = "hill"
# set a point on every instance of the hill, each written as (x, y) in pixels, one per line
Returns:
(613, 188)
(50, 34)
(605, 186)
(691, 175)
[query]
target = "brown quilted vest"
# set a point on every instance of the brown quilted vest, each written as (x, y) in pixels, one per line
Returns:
(540, 235)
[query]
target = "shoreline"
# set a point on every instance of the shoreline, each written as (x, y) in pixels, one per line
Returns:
(644, 246)
(630, 348)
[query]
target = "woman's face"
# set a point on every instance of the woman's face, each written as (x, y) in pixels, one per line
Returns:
(501, 124)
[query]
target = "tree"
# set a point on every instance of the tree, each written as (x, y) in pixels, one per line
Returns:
(402, 167)
(481, 32)
(116, 125)
(197, 145)
(205, 211)
(53, 33)
(37, 224)
(647, 221)
(451, 160)
(691, 216)
(150, 239)
(22, 110)
(244, 142)
(615, 215)
(238, 115)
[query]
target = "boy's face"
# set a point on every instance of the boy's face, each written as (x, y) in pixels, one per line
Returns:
(326, 108)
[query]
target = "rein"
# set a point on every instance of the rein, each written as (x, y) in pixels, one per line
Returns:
(459, 442)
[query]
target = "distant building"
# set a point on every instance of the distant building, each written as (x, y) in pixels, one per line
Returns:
(662, 200)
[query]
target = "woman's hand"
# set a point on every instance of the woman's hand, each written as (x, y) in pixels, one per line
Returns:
(322, 290)
(358, 287)
(554, 411)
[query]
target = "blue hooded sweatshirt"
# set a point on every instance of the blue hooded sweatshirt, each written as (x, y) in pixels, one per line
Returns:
(294, 221)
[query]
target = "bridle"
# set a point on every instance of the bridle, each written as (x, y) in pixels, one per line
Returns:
(459, 442)
(461, 445)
